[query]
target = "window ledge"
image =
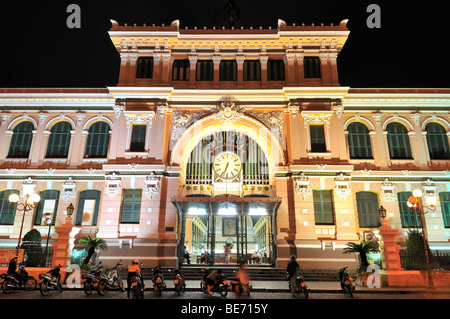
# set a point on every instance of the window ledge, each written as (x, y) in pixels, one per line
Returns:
(319, 153)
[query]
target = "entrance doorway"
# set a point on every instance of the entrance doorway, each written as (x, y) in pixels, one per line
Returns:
(227, 232)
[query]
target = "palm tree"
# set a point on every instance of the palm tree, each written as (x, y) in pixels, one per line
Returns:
(92, 244)
(362, 248)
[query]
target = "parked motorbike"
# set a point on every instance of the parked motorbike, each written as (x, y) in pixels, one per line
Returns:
(221, 286)
(51, 280)
(346, 281)
(110, 281)
(10, 282)
(92, 279)
(137, 288)
(178, 282)
(205, 275)
(158, 281)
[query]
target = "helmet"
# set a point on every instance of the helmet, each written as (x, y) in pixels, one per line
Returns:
(135, 261)
(293, 257)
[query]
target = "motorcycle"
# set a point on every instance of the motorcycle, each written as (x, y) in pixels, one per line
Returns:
(158, 283)
(110, 281)
(239, 288)
(205, 275)
(346, 281)
(10, 282)
(221, 286)
(48, 283)
(92, 279)
(137, 289)
(300, 286)
(178, 282)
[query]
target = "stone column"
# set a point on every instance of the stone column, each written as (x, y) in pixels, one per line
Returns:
(61, 245)
(324, 69)
(300, 68)
(216, 61)
(391, 252)
(263, 60)
(240, 70)
(289, 61)
(192, 69)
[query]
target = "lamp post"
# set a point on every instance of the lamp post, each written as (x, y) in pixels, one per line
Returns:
(416, 207)
(31, 201)
(48, 221)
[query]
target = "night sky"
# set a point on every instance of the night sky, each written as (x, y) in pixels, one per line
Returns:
(38, 50)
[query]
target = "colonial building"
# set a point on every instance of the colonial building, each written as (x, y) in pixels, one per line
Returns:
(216, 136)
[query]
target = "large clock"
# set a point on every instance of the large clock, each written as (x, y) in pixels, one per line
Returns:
(227, 165)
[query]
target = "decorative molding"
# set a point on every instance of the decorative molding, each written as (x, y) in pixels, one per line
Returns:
(316, 118)
(118, 109)
(5, 118)
(152, 186)
(377, 117)
(42, 116)
(113, 187)
(293, 109)
(180, 121)
(228, 111)
(140, 118)
(342, 187)
(163, 109)
(302, 187)
(416, 118)
(273, 120)
(338, 109)
(387, 193)
(68, 193)
(80, 117)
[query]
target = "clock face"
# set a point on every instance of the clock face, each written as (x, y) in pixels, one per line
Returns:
(227, 165)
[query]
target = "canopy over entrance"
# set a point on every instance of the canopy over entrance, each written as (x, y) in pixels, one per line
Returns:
(245, 224)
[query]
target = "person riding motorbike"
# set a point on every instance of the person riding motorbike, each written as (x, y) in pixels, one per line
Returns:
(211, 280)
(240, 278)
(133, 271)
(12, 269)
(292, 269)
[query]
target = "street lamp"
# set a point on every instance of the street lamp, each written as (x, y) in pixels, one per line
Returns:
(414, 204)
(70, 209)
(30, 203)
(382, 212)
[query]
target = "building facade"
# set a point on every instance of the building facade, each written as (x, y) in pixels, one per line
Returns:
(226, 136)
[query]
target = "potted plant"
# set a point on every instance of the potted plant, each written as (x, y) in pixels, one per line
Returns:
(362, 249)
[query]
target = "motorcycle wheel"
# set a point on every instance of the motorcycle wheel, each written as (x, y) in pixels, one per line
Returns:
(44, 289)
(87, 288)
(30, 284)
(102, 287)
(135, 294)
(223, 291)
(178, 289)
(159, 291)
(5, 288)
(349, 290)
(59, 288)
(203, 287)
(305, 292)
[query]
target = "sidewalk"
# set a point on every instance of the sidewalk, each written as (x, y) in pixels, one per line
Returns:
(314, 286)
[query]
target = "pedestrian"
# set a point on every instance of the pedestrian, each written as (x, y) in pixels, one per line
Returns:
(187, 256)
(227, 253)
(292, 269)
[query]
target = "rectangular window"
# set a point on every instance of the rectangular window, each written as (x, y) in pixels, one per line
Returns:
(131, 206)
(138, 136)
(144, 68)
(445, 206)
(180, 70)
(7, 213)
(204, 70)
(311, 67)
(47, 207)
(275, 70)
(367, 204)
(409, 219)
(228, 70)
(252, 70)
(323, 207)
(88, 206)
(317, 136)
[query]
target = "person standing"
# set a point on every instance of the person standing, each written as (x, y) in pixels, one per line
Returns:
(292, 269)
(227, 253)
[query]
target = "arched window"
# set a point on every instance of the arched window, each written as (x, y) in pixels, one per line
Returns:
(88, 205)
(437, 141)
(359, 141)
(21, 140)
(367, 203)
(48, 206)
(97, 140)
(444, 198)
(7, 213)
(408, 218)
(59, 140)
(398, 141)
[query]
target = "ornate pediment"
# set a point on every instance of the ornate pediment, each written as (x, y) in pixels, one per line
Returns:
(227, 111)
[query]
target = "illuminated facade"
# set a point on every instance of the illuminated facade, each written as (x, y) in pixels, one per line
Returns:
(239, 136)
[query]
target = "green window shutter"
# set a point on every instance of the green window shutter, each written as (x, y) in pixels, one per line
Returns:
(7, 213)
(59, 140)
(131, 206)
(445, 207)
(97, 140)
(437, 141)
(323, 207)
(367, 204)
(144, 68)
(359, 141)
(88, 195)
(47, 195)
(311, 67)
(205, 70)
(409, 219)
(398, 141)
(138, 136)
(317, 136)
(275, 70)
(21, 140)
